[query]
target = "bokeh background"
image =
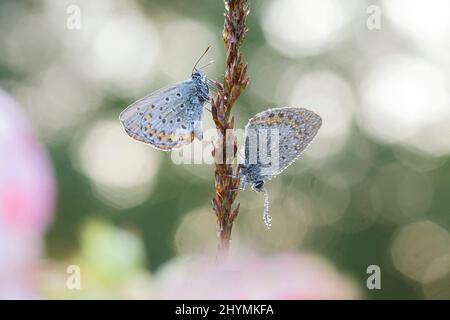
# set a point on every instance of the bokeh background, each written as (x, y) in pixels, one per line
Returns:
(373, 189)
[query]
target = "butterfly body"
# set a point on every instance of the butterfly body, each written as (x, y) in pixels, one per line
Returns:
(168, 118)
(251, 175)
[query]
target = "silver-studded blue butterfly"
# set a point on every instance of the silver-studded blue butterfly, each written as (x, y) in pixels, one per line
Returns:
(274, 139)
(169, 118)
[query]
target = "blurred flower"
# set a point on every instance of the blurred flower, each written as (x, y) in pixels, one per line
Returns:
(27, 195)
(248, 276)
(110, 261)
(26, 181)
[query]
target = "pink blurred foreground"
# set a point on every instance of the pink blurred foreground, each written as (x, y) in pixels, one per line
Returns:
(27, 196)
(249, 276)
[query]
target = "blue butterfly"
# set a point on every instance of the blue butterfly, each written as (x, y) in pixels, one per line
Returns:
(169, 118)
(274, 139)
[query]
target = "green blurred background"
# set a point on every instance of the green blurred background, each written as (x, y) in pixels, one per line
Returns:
(372, 189)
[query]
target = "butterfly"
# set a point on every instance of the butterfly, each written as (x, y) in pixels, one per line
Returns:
(274, 139)
(169, 118)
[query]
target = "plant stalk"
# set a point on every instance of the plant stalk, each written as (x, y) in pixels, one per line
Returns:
(225, 146)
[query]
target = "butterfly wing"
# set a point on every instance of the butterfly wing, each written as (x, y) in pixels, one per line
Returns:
(166, 119)
(283, 134)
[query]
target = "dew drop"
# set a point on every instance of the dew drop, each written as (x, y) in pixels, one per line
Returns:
(266, 216)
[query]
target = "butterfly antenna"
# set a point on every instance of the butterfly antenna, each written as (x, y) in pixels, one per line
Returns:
(201, 57)
(207, 65)
(211, 84)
